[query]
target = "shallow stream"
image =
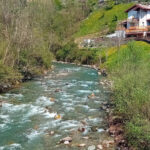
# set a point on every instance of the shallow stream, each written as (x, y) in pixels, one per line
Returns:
(41, 112)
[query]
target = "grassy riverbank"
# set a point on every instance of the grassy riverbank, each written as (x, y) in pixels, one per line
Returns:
(129, 70)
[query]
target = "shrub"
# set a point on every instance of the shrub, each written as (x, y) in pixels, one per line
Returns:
(70, 53)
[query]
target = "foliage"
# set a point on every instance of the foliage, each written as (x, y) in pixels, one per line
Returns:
(58, 4)
(30, 31)
(129, 68)
(109, 4)
(70, 53)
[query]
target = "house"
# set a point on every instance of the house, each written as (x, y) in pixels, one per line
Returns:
(138, 21)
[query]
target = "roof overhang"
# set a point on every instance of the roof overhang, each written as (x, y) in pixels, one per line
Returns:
(138, 6)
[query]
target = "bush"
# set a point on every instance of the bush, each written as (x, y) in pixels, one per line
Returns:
(138, 133)
(109, 4)
(70, 53)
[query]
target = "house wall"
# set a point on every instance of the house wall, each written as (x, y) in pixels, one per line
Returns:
(142, 15)
(143, 18)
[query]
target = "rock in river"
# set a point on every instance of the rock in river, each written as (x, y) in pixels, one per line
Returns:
(57, 117)
(52, 99)
(99, 147)
(85, 137)
(57, 90)
(81, 129)
(94, 128)
(93, 147)
(66, 140)
(91, 96)
(82, 145)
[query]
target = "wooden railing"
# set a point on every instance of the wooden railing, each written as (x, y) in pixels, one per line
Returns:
(133, 20)
(138, 29)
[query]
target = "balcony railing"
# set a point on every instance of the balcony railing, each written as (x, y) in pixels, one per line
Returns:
(138, 29)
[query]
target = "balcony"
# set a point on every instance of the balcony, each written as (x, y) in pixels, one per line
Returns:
(136, 29)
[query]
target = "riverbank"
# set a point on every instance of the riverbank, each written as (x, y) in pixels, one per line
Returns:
(95, 67)
(128, 68)
(23, 77)
(7, 86)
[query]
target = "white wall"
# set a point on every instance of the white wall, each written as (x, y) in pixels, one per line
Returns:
(143, 18)
(148, 14)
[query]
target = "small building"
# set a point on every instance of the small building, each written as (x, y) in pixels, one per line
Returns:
(138, 21)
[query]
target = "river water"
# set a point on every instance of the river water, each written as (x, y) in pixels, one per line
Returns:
(57, 102)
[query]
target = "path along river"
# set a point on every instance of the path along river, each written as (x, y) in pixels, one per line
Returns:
(57, 102)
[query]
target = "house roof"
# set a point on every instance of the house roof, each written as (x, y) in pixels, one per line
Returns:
(137, 6)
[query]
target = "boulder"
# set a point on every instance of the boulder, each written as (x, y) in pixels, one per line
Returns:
(57, 90)
(69, 139)
(91, 96)
(1, 102)
(84, 122)
(57, 117)
(119, 139)
(107, 143)
(66, 142)
(81, 129)
(85, 137)
(94, 128)
(92, 147)
(104, 73)
(81, 145)
(52, 99)
(113, 120)
(99, 147)
(115, 129)
(99, 73)
(51, 133)
(36, 127)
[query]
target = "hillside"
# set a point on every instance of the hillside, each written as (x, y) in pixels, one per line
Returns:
(103, 20)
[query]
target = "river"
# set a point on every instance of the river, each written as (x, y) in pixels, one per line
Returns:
(43, 111)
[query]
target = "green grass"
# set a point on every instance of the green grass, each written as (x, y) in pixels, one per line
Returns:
(129, 68)
(115, 57)
(103, 20)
